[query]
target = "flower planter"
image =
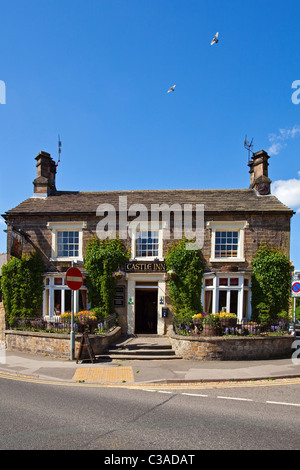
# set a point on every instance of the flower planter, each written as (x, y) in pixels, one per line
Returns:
(211, 330)
(228, 322)
(87, 325)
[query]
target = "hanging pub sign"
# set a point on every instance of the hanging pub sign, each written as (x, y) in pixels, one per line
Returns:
(16, 244)
(145, 267)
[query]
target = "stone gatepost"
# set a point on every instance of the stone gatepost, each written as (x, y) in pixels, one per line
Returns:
(2, 322)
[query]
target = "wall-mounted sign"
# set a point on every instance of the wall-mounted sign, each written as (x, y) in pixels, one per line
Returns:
(119, 300)
(145, 267)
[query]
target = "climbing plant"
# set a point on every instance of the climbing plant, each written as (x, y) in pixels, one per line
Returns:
(22, 286)
(271, 281)
(103, 258)
(185, 287)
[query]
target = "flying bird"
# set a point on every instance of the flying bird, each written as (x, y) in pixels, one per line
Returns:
(215, 39)
(172, 88)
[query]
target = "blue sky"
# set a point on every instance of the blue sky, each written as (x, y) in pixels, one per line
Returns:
(97, 73)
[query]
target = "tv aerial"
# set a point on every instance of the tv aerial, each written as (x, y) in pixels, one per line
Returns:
(249, 146)
(59, 150)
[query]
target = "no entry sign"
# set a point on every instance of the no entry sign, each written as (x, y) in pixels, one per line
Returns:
(74, 278)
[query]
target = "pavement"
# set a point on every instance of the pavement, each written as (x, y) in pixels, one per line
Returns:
(142, 372)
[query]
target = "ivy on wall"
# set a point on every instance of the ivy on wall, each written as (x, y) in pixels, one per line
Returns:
(271, 283)
(185, 287)
(22, 286)
(103, 257)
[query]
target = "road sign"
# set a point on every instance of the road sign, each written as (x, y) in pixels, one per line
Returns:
(74, 278)
(296, 284)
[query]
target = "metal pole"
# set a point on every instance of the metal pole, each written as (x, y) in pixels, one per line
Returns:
(294, 317)
(72, 334)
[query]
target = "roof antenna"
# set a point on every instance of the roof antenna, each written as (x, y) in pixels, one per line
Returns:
(248, 146)
(59, 150)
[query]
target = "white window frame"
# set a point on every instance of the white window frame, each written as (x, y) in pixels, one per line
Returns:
(157, 227)
(48, 295)
(228, 226)
(66, 227)
(215, 288)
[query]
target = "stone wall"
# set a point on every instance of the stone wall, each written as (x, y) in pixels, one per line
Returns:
(56, 345)
(231, 349)
(267, 227)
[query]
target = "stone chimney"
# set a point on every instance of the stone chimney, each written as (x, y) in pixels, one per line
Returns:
(259, 179)
(44, 183)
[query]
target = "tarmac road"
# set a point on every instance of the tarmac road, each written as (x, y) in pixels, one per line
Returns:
(38, 416)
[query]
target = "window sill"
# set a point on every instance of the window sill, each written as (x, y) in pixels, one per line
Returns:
(67, 259)
(146, 258)
(227, 260)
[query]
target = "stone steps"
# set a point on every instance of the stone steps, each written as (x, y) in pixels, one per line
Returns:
(145, 347)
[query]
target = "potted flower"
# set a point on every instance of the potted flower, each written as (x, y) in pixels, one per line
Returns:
(86, 319)
(171, 274)
(198, 318)
(212, 325)
(228, 320)
(118, 274)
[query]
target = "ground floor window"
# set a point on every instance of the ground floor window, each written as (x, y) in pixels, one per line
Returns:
(227, 292)
(58, 296)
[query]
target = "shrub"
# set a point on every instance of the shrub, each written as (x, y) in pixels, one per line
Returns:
(22, 286)
(185, 287)
(271, 281)
(103, 258)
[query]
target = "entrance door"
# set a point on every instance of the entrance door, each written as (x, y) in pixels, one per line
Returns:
(146, 311)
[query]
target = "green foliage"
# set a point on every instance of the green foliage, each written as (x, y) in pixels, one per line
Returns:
(271, 283)
(22, 286)
(185, 288)
(103, 257)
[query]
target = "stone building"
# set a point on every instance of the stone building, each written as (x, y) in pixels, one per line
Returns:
(232, 225)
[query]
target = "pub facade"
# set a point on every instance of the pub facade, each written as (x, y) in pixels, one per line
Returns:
(232, 225)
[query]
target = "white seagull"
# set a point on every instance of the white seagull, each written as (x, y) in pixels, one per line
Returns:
(172, 88)
(215, 39)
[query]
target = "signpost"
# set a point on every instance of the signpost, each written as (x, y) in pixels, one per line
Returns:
(74, 281)
(295, 294)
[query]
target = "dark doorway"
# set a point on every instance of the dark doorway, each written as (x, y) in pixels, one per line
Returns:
(146, 311)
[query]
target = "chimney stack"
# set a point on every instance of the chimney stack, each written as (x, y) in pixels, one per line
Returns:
(44, 183)
(259, 179)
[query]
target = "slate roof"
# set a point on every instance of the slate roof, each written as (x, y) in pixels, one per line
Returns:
(219, 200)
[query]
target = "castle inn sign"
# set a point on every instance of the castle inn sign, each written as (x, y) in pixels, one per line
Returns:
(149, 267)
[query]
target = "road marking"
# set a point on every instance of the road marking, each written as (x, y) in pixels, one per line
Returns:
(282, 403)
(235, 398)
(194, 395)
(164, 391)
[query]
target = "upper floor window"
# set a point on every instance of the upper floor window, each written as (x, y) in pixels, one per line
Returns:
(147, 243)
(227, 240)
(68, 244)
(226, 244)
(66, 240)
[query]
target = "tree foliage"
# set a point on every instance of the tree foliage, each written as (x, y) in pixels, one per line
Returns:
(22, 286)
(103, 257)
(185, 289)
(271, 282)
